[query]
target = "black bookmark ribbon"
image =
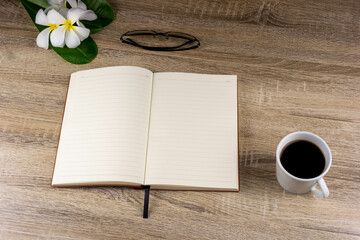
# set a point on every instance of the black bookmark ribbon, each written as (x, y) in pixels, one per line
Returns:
(146, 200)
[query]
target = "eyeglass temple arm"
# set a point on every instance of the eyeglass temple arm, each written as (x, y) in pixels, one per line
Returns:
(130, 41)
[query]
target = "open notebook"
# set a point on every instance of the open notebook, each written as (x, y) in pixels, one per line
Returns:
(130, 126)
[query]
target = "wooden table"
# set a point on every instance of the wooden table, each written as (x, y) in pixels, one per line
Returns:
(298, 68)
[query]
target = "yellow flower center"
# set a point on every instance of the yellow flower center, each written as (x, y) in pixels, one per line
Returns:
(68, 25)
(53, 26)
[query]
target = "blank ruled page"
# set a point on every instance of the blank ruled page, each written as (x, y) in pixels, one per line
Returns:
(105, 127)
(193, 132)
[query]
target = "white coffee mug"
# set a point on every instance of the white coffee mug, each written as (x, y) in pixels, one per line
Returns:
(301, 185)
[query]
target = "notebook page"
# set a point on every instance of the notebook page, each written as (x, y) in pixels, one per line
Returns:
(105, 127)
(193, 132)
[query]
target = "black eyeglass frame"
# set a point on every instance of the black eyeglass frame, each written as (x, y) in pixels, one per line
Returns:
(190, 40)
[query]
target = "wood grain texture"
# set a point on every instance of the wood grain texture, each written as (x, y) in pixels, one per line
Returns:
(298, 69)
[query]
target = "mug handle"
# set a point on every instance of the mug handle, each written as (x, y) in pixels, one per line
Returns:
(324, 193)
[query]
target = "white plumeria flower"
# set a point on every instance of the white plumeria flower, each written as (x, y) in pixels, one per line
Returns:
(87, 14)
(42, 39)
(77, 4)
(58, 5)
(66, 32)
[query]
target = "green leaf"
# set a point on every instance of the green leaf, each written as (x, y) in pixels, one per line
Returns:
(84, 53)
(94, 26)
(102, 9)
(40, 3)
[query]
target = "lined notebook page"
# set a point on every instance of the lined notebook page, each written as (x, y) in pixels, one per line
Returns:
(105, 127)
(193, 132)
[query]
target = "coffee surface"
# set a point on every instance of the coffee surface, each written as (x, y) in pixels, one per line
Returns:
(303, 159)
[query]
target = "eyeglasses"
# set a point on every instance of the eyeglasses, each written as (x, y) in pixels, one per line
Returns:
(154, 41)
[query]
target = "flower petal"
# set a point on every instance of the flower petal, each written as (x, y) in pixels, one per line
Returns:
(88, 15)
(71, 39)
(63, 12)
(80, 24)
(81, 5)
(54, 2)
(41, 18)
(82, 32)
(55, 18)
(57, 37)
(42, 39)
(74, 14)
(48, 9)
(73, 3)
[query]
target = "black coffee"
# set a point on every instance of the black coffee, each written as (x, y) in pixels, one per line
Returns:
(303, 159)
